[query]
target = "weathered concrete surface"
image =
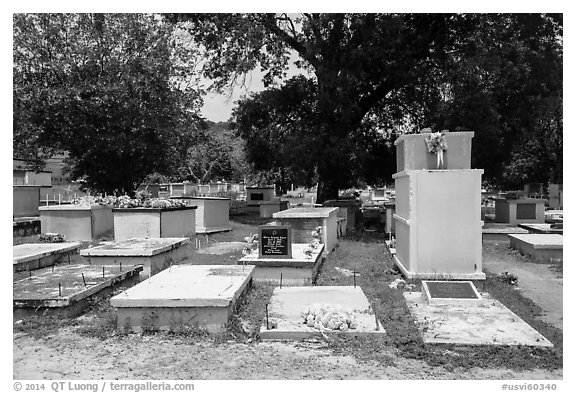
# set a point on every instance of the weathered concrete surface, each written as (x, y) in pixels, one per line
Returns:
(542, 228)
(184, 296)
(37, 255)
(297, 270)
(63, 290)
(77, 222)
(154, 222)
(488, 323)
(548, 247)
(222, 248)
(499, 232)
(303, 220)
(212, 214)
(287, 304)
(155, 254)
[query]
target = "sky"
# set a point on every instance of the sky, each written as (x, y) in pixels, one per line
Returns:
(218, 107)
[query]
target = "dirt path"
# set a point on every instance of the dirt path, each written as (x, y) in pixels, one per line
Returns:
(538, 282)
(71, 356)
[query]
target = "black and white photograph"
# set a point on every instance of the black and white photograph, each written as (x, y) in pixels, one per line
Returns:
(211, 198)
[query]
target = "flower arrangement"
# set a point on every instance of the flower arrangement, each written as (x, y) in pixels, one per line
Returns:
(436, 144)
(251, 244)
(90, 200)
(143, 199)
(315, 243)
(329, 317)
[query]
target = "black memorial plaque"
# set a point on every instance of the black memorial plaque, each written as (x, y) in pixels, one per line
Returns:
(257, 196)
(451, 290)
(275, 242)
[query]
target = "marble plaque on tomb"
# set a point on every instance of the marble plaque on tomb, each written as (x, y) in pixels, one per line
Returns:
(275, 241)
(450, 291)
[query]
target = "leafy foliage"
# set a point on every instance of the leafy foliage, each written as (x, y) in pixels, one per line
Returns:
(113, 90)
(373, 76)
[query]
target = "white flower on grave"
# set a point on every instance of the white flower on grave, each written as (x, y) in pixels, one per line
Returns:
(329, 317)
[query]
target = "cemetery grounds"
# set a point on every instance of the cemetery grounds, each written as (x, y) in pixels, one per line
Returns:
(90, 347)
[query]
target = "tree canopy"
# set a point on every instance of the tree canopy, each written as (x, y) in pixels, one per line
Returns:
(115, 91)
(374, 76)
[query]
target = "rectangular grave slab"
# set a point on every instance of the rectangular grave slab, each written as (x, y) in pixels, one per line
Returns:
(148, 222)
(547, 247)
(450, 292)
(212, 214)
(184, 297)
(77, 222)
(154, 254)
(33, 256)
(285, 321)
(25, 226)
(487, 322)
(499, 232)
(304, 220)
(542, 228)
(298, 270)
(63, 291)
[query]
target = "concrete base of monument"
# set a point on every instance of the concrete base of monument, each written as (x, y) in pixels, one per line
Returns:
(488, 322)
(544, 247)
(197, 297)
(38, 255)
(67, 290)
(298, 270)
(156, 254)
(285, 321)
(438, 275)
(499, 232)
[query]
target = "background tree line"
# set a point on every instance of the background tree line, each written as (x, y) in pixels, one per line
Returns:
(121, 94)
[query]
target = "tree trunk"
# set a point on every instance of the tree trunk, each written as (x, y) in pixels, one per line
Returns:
(327, 188)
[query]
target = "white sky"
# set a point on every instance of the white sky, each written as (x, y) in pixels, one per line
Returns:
(218, 107)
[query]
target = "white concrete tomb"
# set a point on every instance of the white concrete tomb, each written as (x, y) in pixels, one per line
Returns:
(184, 297)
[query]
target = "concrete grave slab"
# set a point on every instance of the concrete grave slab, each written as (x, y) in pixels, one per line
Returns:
(298, 270)
(487, 323)
(184, 296)
(212, 213)
(156, 254)
(548, 247)
(542, 229)
(76, 222)
(499, 232)
(288, 303)
(33, 256)
(304, 220)
(66, 290)
(222, 248)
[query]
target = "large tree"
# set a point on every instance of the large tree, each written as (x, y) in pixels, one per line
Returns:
(374, 76)
(356, 60)
(116, 91)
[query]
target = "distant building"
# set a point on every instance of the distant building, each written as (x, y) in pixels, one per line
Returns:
(54, 169)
